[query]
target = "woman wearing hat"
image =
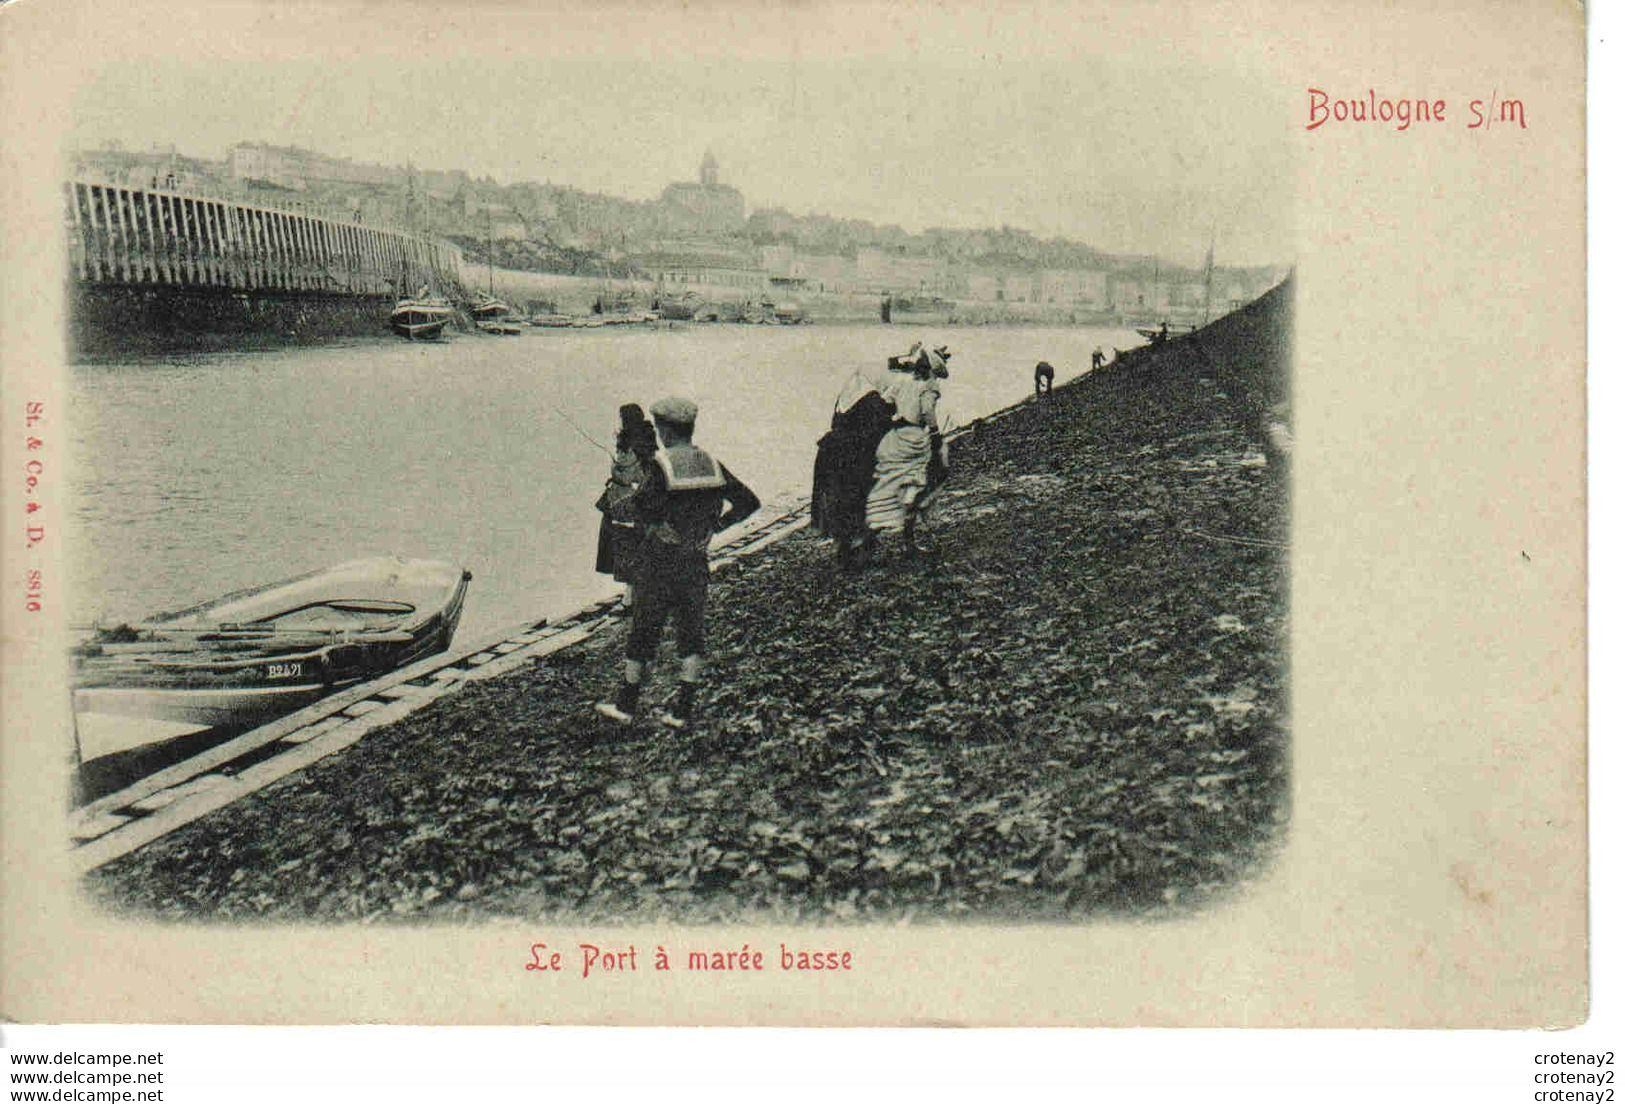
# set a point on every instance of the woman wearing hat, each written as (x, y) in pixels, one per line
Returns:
(844, 470)
(903, 468)
(618, 532)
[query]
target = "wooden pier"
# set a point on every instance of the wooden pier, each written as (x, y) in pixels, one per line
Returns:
(128, 235)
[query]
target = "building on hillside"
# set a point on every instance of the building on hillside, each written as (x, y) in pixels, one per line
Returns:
(296, 169)
(779, 262)
(787, 268)
(702, 267)
(879, 271)
(705, 207)
(1058, 286)
(1128, 294)
(1192, 294)
(1019, 287)
(1090, 285)
(773, 222)
(982, 286)
(1095, 293)
(493, 218)
(162, 166)
(1074, 288)
(826, 272)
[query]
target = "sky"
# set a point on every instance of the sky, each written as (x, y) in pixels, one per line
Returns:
(917, 123)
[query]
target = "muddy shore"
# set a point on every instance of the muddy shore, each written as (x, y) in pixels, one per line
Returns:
(1073, 704)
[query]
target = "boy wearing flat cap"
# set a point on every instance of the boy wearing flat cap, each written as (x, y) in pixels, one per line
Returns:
(678, 508)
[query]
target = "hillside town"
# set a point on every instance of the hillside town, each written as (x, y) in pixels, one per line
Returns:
(704, 235)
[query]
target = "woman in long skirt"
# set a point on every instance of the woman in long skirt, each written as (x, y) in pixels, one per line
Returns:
(903, 459)
(845, 468)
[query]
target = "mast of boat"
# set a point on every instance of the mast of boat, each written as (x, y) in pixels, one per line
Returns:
(490, 262)
(407, 281)
(1207, 279)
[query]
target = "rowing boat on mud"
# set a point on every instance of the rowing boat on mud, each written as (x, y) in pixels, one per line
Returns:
(272, 649)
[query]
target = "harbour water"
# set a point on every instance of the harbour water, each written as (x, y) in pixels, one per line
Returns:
(196, 475)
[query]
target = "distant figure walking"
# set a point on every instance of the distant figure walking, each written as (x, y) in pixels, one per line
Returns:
(903, 461)
(1096, 359)
(617, 532)
(1043, 379)
(678, 507)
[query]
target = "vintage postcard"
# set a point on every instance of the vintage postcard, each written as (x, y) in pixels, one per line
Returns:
(794, 514)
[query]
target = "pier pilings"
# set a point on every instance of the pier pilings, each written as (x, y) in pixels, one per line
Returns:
(153, 237)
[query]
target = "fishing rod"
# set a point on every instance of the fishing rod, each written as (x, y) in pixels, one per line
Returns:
(584, 434)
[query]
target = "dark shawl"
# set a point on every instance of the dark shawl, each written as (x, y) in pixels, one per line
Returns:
(845, 468)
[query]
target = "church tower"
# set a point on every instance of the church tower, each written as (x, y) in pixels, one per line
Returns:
(703, 207)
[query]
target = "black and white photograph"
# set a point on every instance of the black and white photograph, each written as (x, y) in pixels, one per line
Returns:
(695, 489)
(904, 538)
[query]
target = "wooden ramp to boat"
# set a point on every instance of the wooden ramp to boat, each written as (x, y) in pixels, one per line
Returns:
(119, 823)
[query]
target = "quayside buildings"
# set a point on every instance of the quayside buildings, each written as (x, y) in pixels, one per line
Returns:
(698, 235)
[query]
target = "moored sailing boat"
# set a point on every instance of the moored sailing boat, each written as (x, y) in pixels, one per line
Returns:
(488, 308)
(423, 316)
